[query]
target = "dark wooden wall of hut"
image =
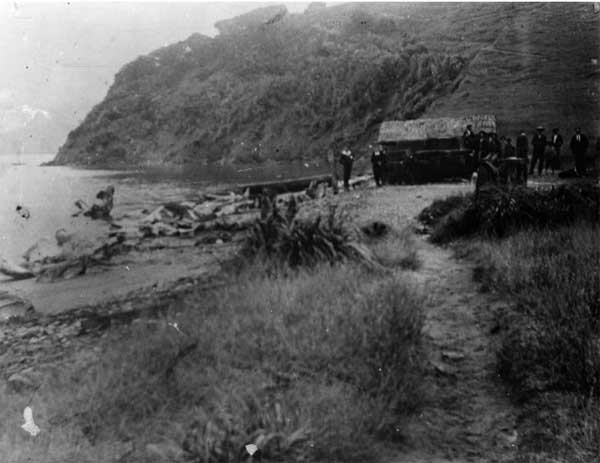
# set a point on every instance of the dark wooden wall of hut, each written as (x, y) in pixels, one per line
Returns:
(423, 161)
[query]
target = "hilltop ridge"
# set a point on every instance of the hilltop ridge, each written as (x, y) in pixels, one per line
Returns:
(279, 86)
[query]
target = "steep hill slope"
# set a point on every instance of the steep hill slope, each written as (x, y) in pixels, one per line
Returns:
(541, 68)
(277, 86)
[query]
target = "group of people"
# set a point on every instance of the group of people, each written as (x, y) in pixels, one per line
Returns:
(378, 161)
(545, 154)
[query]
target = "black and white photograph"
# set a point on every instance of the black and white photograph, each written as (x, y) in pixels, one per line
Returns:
(316, 232)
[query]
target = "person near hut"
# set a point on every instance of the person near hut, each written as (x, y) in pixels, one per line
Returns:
(492, 148)
(378, 161)
(482, 146)
(470, 143)
(469, 138)
(496, 145)
(556, 143)
(522, 151)
(538, 142)
(522, 145)
(502, 146)
(509, 149)
(346, 160)
(579, 146)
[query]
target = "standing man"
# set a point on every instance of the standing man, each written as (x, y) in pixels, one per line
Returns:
(496, 144)
(522, 145)
(556, 142)
(469, 142)
(482, 146)
(469, 138)
(522, 151)
(378, 161)
(579, 146)
(346, 160)
(509, 149)
(539, 147)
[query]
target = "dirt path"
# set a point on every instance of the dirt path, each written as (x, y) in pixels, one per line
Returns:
(467, 415)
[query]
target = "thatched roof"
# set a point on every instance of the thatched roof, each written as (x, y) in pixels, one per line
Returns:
(443, 127)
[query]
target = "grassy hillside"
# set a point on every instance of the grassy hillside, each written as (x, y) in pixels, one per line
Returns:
(275, 86)
(538, 70)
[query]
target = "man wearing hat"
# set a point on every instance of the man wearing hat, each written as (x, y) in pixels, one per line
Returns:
(539, 147)
(556, 142)
(469, 138)
(579, 146)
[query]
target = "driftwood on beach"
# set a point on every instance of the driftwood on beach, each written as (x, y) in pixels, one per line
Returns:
(210, 214)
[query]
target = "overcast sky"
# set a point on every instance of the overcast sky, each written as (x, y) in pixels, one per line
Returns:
(58, 59)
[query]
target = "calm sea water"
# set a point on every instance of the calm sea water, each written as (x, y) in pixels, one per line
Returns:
(49, 194)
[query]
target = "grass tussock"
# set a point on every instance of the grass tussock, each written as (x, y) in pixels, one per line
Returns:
(283, 238)
(498, 213)
(312, 365)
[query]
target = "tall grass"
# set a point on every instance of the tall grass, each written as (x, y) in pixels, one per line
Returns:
(550, 341)
(311, 365)
(554, 277)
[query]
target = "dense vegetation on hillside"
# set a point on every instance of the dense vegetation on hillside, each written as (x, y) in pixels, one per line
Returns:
(273, 85)
(279, 90)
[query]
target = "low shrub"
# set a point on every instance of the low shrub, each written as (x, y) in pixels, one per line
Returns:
(497, 212)
(442, 207)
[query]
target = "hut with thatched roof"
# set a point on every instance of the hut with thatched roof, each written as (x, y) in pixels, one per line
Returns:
(423, 150)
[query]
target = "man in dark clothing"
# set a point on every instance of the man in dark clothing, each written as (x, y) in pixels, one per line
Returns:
(482, 145)
(495, 144)
(539, 148)
(469, 138)
(378, 161)
(579, 146)
(522, 145)
(346, 160)
(522, 151)
(556, 142)
(491, 147)
(509, 149)
(470, 144)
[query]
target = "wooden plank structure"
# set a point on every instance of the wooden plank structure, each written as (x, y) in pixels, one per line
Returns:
(284, 185)
(429, 150)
